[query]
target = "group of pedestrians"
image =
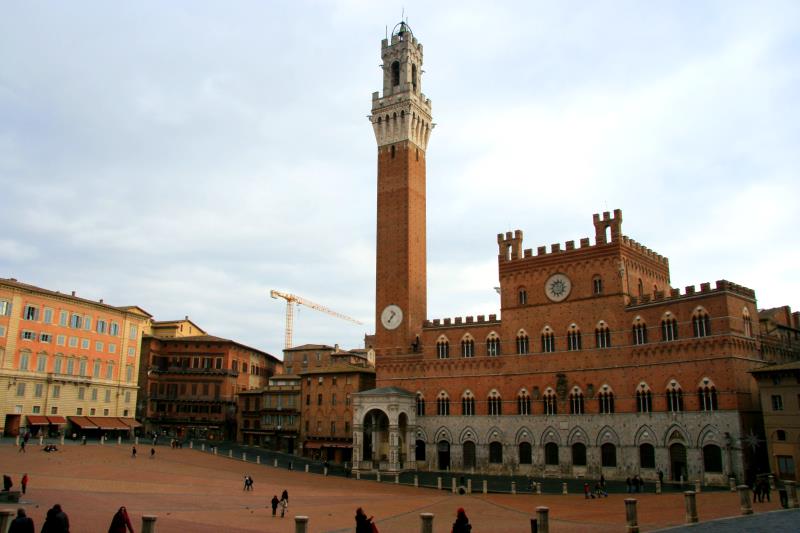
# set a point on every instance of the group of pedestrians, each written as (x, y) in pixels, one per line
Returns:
(283, 503)
(761, 490)
(635, 484)
(57, 521)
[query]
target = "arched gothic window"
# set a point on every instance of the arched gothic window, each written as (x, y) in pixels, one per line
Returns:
(747, 324)
(639, 332)
(468, 404)
(674, 398)
(395, 74)
(443, 404)
(548, 340)
(522, 296)
(602, 336)
(606, 400)
(420, 404)
(644, 399)
(492, 345)
(576, 402)
(522, 343)
(597, 285)
(573, 338)
(495, 404)
(550, 402)
(707, 394)
(467, 347)
(669, 328)
(523, 403)
(701, 324)
(443, 348)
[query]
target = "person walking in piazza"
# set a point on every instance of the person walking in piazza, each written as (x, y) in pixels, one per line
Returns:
(24, 483)
(152, 453)
(22, 446)
(285, 496)
(121, 522)
(22, 523)
(284, 506)
(133, 452)
(56, 521)
(275, 501)
(461, 525)
(7, 483)
(660, 476)
(363, 524)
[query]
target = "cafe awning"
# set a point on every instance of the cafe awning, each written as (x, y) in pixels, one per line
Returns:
(82, 422)
(108, 422)
(37, 420)
(131, 422)
(57, 420)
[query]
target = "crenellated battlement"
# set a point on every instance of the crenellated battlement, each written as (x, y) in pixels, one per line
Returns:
(691, 291)
(460, 321)
(607, 230)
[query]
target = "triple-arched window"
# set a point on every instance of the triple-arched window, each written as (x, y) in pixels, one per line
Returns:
(522, 343)
(701, 323)
(442, 348)
(523, 403)
(468, 404)
(573, 338)
(443, 404)
(550, 402)
(669, 328)
(602, 335)
(420, 404)
(492, 345)
(576, 402)
(467, 347)
(707, 394)
(495, 404)
(606, 400)
(548, 340)
(644, 399)
(674, 397)
(639, 332)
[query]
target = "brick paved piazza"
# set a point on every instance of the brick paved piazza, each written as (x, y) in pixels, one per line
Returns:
(195, 492)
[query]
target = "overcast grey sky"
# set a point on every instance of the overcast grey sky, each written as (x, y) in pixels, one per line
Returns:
(187, 157)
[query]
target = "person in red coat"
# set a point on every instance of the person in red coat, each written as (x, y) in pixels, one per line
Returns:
(121, 523)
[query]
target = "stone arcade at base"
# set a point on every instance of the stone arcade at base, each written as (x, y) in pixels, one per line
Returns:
(598, 366)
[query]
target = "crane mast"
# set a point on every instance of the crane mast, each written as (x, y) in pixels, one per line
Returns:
(291, 301)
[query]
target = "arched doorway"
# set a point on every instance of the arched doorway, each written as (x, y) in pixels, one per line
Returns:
(402, 426)
(376, 437)
(469, 455)
(677, 461)
(443, 449)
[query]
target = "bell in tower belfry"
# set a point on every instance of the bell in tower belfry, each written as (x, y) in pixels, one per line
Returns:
(401, 120)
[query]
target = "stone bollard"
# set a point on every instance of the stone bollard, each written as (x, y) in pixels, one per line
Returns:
(230, 454)
(513, 487)
(258, 459)
(453, 487)
(485, 487)
(564, 488)
(631, 516)
(6, 515)
(41, 440)
(772, 485)
(690, 501)
(103, 440)
(744, 499)
(300, 524)
(378, 477)
(202, 446)
(416, 480)
(16, 441)
(439, 483)
(469, 486)
(542, 519)
(538, 488)
(426, 522)
(149, 523)
(358, 473)
(324, 470)
(658, 487)
(791, 493)
(215, 450)
(275, 463)
(244, 456)
(119, 441)
(62, 440)
(697, 486)
(732, 483)
(136, 441)
(307, 468)
(191, 445)
(397, 479)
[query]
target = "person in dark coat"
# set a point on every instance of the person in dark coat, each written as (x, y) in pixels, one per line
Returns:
(285, 496)
(7, 483)
(121, 522)
(22, 523)
(363, 524)
(24, 483)
(56, 521)
(275, 501)
(461, 525)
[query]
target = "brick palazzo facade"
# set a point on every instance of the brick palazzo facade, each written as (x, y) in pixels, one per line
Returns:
(598, 365)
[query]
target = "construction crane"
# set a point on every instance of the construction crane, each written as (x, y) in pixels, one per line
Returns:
(291, 300)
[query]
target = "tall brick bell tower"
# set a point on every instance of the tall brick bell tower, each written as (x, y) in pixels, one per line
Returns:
(401, 119)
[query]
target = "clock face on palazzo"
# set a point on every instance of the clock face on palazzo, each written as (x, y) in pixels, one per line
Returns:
(557, 287)
(391, 316)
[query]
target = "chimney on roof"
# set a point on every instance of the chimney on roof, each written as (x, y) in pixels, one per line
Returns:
(73, 293)
(101, 300)
(336, 347)
(186, 317)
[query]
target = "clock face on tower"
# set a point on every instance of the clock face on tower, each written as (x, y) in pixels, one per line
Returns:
(391, 316)
(557, 287)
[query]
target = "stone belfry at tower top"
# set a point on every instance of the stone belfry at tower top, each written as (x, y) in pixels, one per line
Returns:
(401, 120)
(402, 112)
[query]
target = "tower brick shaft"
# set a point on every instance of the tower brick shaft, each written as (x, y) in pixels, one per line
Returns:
(401, 120)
